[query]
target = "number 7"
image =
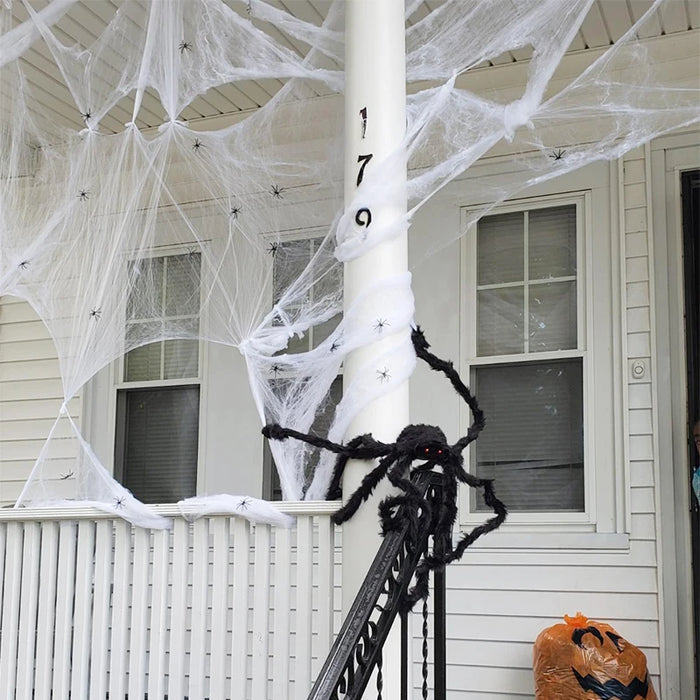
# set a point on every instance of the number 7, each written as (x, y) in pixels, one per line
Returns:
(364, 160)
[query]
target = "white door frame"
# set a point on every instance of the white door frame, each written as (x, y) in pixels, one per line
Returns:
(670, 156)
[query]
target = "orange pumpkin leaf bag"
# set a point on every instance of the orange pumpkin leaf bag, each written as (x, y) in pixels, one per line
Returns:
(585, 660)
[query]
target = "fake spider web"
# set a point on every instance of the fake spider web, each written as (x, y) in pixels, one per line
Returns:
(87, 208)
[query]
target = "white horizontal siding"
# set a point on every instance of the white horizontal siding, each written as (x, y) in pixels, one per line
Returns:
(499, 580)
(621, 604)
(495, 612)
(640, 407)
(31, 394)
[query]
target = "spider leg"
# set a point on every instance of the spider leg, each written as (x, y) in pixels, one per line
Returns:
(273, 431)
(421, 589)
(367, 447)
(442, 531)
(443, 551)
(472, 434)
(411, 498)
(442, 542)
(335, 492)
(466, 477)
(397, 476)
(491, 524)
(421, 346)
(391, 520)
(360, 447)
(364, 490)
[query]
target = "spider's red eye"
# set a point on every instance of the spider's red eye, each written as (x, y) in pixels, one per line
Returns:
(427, 450)
(439, 452)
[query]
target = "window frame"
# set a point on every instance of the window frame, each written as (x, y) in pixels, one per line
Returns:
(118, 367)
(591, 519)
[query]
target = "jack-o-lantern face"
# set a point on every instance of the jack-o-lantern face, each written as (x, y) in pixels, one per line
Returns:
(583, 660)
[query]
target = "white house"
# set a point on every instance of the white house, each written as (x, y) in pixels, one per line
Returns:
(571, 309)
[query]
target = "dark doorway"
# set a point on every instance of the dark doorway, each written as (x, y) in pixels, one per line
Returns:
(690, 189)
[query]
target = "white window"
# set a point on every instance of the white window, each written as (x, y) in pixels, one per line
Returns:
(539, 348)
(290, 259)
(527, 363)
(158, 391)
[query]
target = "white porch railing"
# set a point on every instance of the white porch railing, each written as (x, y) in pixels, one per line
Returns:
(92, 607)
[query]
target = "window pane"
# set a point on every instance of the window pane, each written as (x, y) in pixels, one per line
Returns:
(181, 359)
(146, 295)
(271, 480)
(500, 321)
(143, 363)
(323, 330)
(296, 344)
(552, 316)
(332, 281)
(159, 432)
(533, 441)
(289, 261)
(500, 246)
(552, 242)
(182, 287)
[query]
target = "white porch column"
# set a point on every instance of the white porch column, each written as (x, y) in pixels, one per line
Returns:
(375, 90)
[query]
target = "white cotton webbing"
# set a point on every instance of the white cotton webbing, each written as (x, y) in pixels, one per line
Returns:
(87, 205)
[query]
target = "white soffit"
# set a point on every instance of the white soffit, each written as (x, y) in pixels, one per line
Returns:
(84, 22)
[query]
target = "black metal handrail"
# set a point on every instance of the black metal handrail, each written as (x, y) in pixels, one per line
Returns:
(358, 647)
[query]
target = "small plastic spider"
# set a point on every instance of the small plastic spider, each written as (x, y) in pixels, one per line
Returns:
(84, 195)
(119, 502)
(275, 369)
(272, 248)
(23, 265)
(381, 324)
(197, 145)
(558, 154)
(66, 476)
(383, 375)
(184, 46)
(235, 211)
(86, 116)
(276, 191)
(334, 346)
(96, 313)
(243, 504)
(415, 442)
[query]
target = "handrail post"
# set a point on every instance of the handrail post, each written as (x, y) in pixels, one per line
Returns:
(405, 667)
(439, 601)
(439, 637)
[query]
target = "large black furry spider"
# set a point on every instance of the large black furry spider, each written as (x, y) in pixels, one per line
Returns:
(415, 442)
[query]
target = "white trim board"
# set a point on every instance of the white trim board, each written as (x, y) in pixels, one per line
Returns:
(668, 157)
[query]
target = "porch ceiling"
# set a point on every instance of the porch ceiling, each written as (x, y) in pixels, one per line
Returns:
(84, 22)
